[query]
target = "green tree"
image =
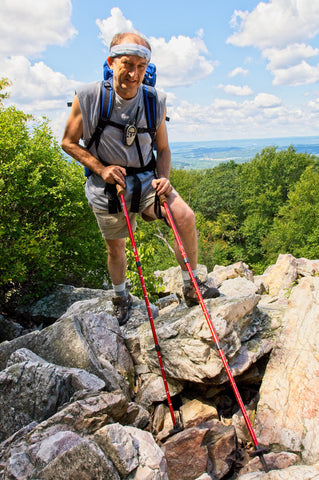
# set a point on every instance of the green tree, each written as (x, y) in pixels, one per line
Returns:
(47, 232)
(218, 191)
(186, 182)
(264, 185)
(296, 227)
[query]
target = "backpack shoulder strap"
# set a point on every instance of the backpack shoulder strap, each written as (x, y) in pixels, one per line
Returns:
(106, 108)
(150, 99)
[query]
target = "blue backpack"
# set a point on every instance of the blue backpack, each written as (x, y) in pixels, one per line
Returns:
(107, 104)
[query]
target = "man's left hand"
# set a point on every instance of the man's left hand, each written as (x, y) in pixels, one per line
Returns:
(162, 186)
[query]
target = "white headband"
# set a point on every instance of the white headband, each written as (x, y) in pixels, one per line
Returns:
(131, 49)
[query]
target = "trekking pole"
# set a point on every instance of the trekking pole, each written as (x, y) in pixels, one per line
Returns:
(120, 193)
(258, 450)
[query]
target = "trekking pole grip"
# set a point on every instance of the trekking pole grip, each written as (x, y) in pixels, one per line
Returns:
(163, 199)
(120, 190)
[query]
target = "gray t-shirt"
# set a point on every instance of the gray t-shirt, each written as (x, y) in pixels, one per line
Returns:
(112, 148)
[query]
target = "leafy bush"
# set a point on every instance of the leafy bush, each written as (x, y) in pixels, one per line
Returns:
(48, 233)
(146, 253)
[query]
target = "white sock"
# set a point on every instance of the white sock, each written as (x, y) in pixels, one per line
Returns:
(185, 276)
(120, 289)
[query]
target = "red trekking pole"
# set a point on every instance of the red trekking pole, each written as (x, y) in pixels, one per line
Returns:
(120, 192)
(258, 450)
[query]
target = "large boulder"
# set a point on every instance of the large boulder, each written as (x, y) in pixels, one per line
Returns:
(187, 346)
(288, 410)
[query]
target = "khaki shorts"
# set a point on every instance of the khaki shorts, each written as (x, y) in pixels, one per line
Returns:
(113, 226)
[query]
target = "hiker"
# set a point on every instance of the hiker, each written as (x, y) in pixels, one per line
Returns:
(124, 155)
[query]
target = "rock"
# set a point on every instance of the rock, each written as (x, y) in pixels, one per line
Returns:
(76, 395)
(30, 391)
(239, 269)
(300, 472)
(92, 412)
(186, 343)
(168, 303)
(179, 462)
(35, 448)
(9, 329)
(84, 461)
(136, 416)
(307, 268)
(152, 462)
(288, 411)
(196, 411)
(212, 446)
(33, 389)
(158, 418)
(238, 287)
(274, 461)
(80, 379)
(281, 277)
(118, 445)
(240, 425)
(152, 390)
(172, 279)
(53, 306)
(91, 342)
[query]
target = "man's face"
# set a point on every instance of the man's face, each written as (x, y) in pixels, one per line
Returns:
(128, 74)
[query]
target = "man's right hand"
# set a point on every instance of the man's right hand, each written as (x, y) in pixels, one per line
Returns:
(114, 174)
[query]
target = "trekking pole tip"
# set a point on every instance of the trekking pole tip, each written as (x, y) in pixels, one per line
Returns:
(176, 429)
(259, 452)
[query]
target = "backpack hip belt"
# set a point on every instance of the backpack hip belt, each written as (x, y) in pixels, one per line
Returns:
(114, 205)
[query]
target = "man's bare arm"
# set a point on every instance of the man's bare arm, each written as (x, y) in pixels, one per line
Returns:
(70, 144)
(163, 163)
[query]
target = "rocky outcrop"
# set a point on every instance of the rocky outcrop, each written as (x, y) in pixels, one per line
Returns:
(84, 397)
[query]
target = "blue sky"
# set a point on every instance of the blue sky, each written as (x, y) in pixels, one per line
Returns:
(231, 70)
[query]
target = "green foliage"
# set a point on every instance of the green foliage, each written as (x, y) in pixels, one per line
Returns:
(4, 83)
(186, 182)
(264, 184)
(218, 191)
(146, 254)
(296, 227)
(237, 207)
(47, 232)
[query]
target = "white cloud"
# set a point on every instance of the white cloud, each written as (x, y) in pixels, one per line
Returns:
(28, 26)
(280, 29)
(37, 87)
(116, 23)
(238, 71)
(289, 66)
(290, 56)
(263, 116)
(314, 105)
(276, 23)
(237, 90)
(266, 100)
(179, 61)
(302, 74)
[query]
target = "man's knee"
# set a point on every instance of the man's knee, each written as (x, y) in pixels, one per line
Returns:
(116, 248)
(185, 218)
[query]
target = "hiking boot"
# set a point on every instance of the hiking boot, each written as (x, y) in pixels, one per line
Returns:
(121, 308)
(207, 291)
